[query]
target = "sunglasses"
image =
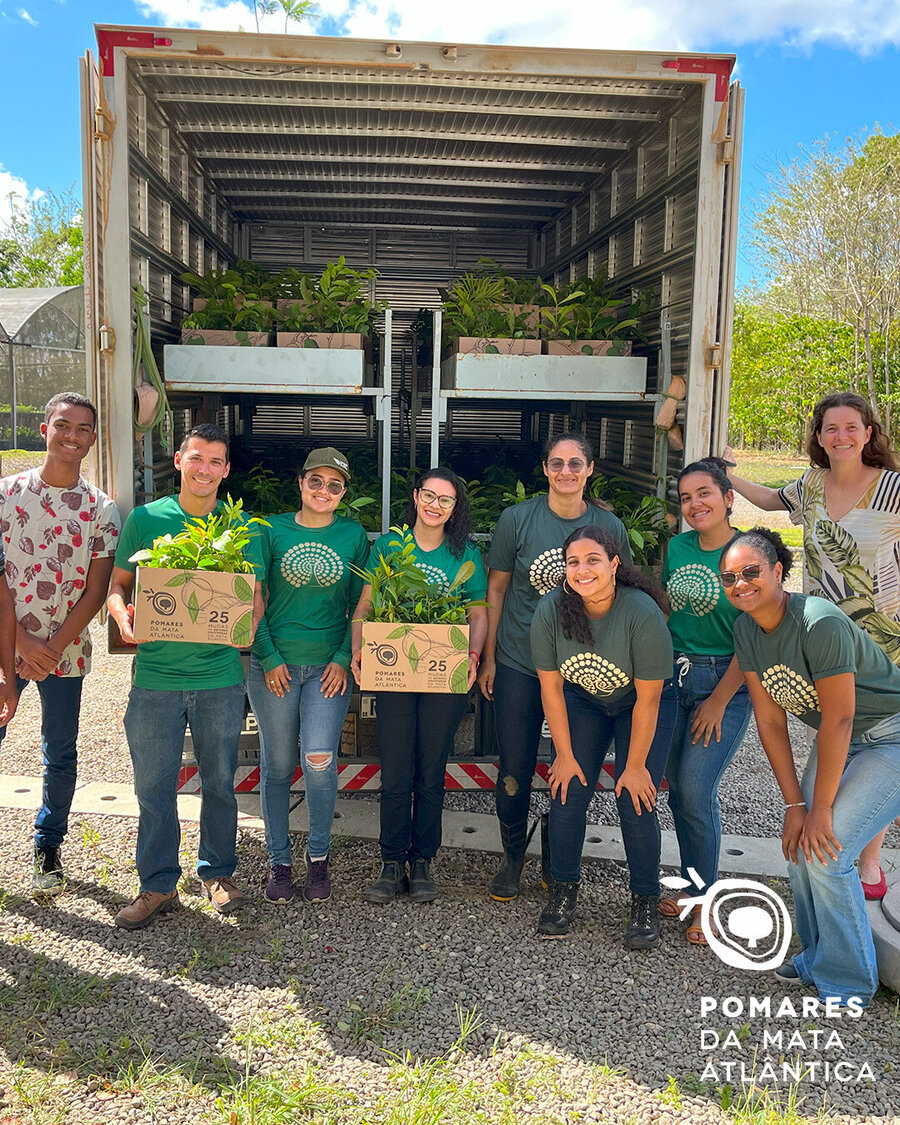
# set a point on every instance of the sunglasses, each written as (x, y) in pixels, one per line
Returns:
(429, 497)
(557, 464)
(749, 574)
(334, 487)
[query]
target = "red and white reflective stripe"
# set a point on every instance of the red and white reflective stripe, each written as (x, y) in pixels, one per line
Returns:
(366, 776)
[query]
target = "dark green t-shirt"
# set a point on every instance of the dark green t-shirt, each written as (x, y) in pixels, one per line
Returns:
(175, 665)
(702, 618)
(439, 565)
(527, 544)
(630, 642)
(311, 591)
(816, 640)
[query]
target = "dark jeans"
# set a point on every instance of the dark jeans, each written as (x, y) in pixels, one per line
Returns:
(518, 715)
(591, 726)
(415, 736)
(60, 706)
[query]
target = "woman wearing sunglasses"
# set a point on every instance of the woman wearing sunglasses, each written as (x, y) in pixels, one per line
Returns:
(848, 502)
(415, 730)
(712, 708)
(802, 654)
(603, 657)
(526, 562)
(298, 672)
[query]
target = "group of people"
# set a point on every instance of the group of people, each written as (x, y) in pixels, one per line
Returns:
(562, 627)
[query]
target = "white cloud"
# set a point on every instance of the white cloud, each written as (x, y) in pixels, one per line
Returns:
(864, 25)
(25, 15)
(13, 185)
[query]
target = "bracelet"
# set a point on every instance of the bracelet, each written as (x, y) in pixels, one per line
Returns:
(796, 805)
(477, 656)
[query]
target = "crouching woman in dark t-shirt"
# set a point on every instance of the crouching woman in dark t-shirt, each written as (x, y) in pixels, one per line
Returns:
(804, 655)
(603, 656)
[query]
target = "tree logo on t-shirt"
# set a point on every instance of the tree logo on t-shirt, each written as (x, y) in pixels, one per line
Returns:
(790, 690)
(593, 673)
(546, 572)
(311, 564)
(435, 576)
(693, 587)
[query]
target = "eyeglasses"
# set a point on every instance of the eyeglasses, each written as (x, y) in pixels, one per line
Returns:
(749, 574)
(557, 464)
(429, 497)
(334, 487)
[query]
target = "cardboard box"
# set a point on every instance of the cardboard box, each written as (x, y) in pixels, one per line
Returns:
(200, 606)
(414, 657)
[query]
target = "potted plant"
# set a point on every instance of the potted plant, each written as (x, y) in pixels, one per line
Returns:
(245, 281)
(332, 311)
(479, 318)
(225, 323)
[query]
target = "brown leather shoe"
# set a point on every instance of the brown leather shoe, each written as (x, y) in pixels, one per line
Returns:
(224, 895)
(144, 909)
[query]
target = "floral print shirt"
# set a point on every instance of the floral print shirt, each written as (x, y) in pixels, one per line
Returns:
(854, 561)
(50, 535)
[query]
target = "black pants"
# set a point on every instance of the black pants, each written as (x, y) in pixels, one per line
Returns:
(415, 737)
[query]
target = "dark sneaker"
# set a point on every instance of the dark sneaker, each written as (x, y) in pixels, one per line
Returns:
(787, 974)
(47, 877)
(422, 888)
(643, 929)
(556, 917)
(224, 895)
(144, 909)
(279, 888)
(391, 882)
(318, 883)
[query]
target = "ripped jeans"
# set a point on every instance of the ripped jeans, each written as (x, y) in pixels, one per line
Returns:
(302, 715)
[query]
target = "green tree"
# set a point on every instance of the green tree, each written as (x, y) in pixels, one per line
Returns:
(42, 243)
(295, 11)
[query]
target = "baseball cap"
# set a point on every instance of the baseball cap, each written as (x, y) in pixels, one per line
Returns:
(328, 458)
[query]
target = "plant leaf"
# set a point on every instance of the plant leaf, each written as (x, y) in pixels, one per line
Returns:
(179, 579)
(240, 634)
(458, 639)
(459, 679)
(243, 590)
(413, 656)
(400, 631)
(193, 607)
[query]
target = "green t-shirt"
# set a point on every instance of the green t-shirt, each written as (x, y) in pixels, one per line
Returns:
(175, 665)
(631, 642)
(311, 591)
(816, 640)
(527, 544)
(439, 565)
(702, 618)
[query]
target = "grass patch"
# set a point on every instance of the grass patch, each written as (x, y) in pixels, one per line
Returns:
(370, 1020)
(774, 470)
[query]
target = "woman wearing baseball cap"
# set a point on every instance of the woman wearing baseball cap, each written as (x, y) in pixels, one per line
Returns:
(298, 673)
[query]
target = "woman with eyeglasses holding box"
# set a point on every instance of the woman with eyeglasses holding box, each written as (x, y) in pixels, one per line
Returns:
(298, 672)
(526, 562)
(416, 730)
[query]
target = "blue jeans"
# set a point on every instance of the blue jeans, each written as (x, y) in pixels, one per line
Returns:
(591, 725)
(415, 736)
(302, 715)
(693, 770)
(60, 706)
(838, 955)
(518, 716)
(155, 724)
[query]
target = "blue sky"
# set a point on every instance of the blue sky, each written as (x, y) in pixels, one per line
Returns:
(811, 68)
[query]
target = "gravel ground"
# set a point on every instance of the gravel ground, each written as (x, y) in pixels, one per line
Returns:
(183, 1022)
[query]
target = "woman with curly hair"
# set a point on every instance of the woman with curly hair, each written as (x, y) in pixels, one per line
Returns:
(415, 730)
(848, 502)
(603, 656)
(802, 654)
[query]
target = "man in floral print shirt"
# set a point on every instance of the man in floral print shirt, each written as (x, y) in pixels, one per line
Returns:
(59, 538)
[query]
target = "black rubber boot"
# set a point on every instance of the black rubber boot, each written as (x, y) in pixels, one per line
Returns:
(505, 884)
(556, 917)
(391, 882)
(422, 888)
(546, 875)
(643, 930)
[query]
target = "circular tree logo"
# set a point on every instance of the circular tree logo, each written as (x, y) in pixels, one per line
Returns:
(593, 673)
(546, 572)
(745, 923)
(311, 564)
(790, 690)
(435, 576)
(693, 587)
